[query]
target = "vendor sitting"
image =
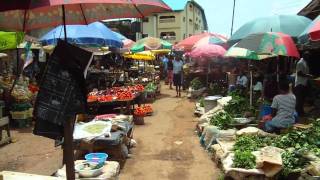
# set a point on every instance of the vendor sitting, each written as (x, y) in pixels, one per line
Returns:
(283, 109)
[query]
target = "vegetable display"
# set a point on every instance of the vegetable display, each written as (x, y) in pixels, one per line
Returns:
(115, 93)
(196, 84)
(244, 159)
(222, 120)
(293, 162)
(237, 105)
(147, 109)
(150, 87)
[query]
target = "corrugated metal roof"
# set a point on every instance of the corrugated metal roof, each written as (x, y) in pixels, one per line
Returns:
(176, 5)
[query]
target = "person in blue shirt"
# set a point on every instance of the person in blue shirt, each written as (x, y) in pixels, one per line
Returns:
(177, 75)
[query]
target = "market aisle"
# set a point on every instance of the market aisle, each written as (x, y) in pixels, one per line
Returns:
(167, 145)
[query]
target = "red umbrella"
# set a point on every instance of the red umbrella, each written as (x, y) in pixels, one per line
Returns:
(25, 15)
(207, 51)
(189, 42)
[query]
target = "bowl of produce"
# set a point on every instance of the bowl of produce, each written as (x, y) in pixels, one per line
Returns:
(96, 157)
(89, 169)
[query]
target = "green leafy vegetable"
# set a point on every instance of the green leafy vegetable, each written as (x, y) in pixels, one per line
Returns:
(222, 120)
(196, 83)
(292, 162)
(244, 159)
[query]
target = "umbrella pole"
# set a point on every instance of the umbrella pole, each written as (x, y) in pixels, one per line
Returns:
(68, 155)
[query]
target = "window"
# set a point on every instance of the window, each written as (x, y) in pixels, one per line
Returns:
(145, 19)
(190, 6)
(196, 26)
(166, 19)
(168, 35)
(184, 36)
(184, 19)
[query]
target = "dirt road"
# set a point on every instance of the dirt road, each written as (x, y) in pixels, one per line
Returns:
(30, 154)
(168, 147)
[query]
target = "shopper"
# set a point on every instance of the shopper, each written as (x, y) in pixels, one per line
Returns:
(242, 81)
(177, 75)
(170, 71)
(302, 75)
(283, 109)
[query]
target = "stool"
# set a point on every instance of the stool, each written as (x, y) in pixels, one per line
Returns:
(4, 125)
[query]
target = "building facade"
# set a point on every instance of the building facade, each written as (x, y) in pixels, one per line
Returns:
(184, 21)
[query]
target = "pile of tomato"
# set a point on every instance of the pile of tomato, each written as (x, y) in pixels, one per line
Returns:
(124, 95)
(105, 98)
(147, 108)
(139, 111)
(139, 87)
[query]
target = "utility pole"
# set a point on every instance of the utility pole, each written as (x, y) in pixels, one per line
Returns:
(234, 7)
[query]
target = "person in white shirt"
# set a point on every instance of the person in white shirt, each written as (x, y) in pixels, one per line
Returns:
(242, 80)
(301, 81)
(177, 75)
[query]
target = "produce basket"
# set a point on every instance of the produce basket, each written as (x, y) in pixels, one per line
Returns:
(138, 120)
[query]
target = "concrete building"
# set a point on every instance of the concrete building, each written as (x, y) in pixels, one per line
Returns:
(188, 18)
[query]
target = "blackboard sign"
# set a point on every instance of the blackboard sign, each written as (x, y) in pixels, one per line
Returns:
(62, 92)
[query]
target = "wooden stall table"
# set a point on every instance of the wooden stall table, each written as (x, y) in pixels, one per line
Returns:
(112, 145)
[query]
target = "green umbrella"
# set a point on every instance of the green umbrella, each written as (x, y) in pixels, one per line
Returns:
(10, 40)
(150, 43)
(292, 25)
(270, 43)
(242, 53)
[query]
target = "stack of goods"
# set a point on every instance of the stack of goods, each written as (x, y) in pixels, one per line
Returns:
(115, 94)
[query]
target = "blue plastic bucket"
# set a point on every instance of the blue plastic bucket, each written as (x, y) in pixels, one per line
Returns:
(96, 157)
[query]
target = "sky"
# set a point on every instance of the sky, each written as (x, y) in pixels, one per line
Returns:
(219, 12)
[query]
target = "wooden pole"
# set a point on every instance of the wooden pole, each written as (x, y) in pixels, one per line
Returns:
(68, 155)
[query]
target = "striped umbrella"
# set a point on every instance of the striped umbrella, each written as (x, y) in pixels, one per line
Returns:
(188, 43)
(311, 33)
(264, 45)
(292, 25)
(150, 43)
(25, 15)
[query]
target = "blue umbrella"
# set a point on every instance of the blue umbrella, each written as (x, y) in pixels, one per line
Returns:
(93, 35)
(120, 36)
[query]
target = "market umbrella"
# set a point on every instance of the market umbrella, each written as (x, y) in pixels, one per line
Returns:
(211, 40)
(93, 35)
(207, 52)
(150, 43)
(188, 43)
(143, 56)
(262, 46)
(292, 25)
(311, 33)
(270, 43)
(29, 14)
